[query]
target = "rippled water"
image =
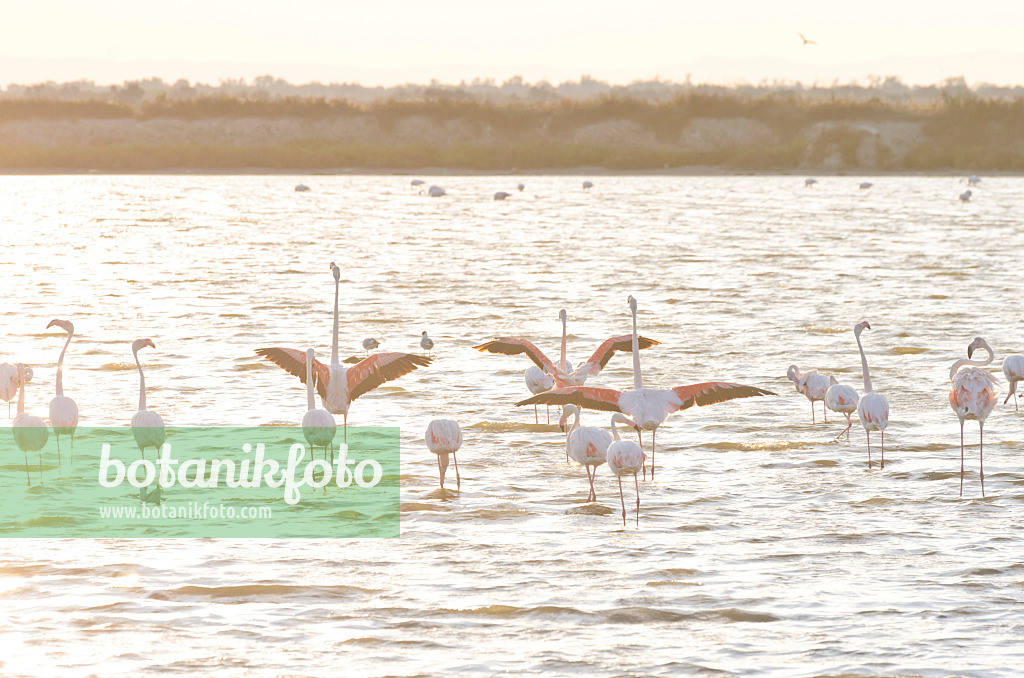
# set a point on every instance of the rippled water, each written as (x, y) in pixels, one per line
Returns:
(765, 547)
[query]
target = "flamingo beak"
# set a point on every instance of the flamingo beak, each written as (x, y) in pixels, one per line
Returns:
(970, 350)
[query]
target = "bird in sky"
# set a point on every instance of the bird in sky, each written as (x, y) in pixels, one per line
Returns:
(806, 41)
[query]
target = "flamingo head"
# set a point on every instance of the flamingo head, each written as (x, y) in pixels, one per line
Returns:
(142, 343)
(63, 324)
(632, 303)
(860, 327)
(976, 344)
(562, 316)
(832, 381)
(310, 354)
(335, 271)
(793, 373)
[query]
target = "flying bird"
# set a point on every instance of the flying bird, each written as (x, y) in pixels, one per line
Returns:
(338, 385)
(973, 396)
(806, 41)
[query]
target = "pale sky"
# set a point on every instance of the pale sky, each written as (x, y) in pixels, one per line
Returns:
(392, 42)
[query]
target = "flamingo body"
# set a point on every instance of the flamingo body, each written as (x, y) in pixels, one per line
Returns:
(444, 438)
(813, 385)
(625, 458)
(318, 426)
(538, 381)
(973, 395)
(63, 410)
(147, 425)
(587, 446)
(873, 408)
(1013, 370)
(29, 431)
(844, 400)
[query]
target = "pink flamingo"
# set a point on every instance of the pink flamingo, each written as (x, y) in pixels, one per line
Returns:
(1013, 369)
(973, 396)
(625, 458)
(338, 385)
(563, 373)
(814, 386)
(539, 381)
(842, 399)
(444, 437)
(649, 407)
(873, 408)
(586, 445)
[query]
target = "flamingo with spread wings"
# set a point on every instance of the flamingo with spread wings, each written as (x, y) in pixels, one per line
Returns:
(338, 385)
(649, 407)
(563, 373)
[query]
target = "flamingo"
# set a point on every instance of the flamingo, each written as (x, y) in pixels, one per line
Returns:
(147, 425)
(965, 196)
(588, 185)
(586, 445)
(501, 195)
(812, 385)
(301, 188)
(973, 396)
(426, 343)
(30, 432)
(873, 408)
(521, 186)
(539, 381)
(648, 407)
(973, 180)
(318, 426)
(338, 385)
(436, 191)
(866, 184)
(563, 373)
(1013, 369)
(444, 437)
(809, 182)
(842, 399)
(417, 182)
(63, 410)
(624, 458)
(10, 381)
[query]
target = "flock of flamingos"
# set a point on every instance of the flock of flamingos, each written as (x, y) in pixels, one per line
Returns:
(973, 395)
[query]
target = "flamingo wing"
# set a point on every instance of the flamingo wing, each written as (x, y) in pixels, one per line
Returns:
(606, 399)
(293, 361)
(607, 349)
(515, 346)
(371, 372)
(711, 392)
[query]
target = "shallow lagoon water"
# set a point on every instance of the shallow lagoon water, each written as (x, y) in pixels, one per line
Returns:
(765, 546)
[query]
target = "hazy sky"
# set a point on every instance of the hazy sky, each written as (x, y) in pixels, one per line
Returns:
(388, 42)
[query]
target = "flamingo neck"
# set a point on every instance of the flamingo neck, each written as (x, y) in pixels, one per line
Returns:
(21, 390)
(974, 363)
(60, 365)
(615, 431)
(638, 380)
(334, 340)
(561, 361)
(575, 425)
(310, 401)
(142, 383)
(864, 366)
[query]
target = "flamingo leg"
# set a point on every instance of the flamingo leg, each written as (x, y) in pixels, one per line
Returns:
(59, 466)
(72, 449)
(845, 430)
(869, 448)
(652, 453)
(28, 478)
(637, 486)
(458, 480)
(344, 426)
(623, 499)
(824, 412)
(547, 409)
(981, 455)
(640, 437)
(883, 449)
(40, 467)
(439, 475)
(812, 412)
(535, 419)
(961, 457)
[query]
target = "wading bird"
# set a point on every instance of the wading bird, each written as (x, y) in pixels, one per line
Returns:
(625, 458)
(338, 385)
(443, 438)
(501, 195)
(588, 185)
(147, 425)
(521, 187)
(539, 381)
(318, 426)
(814, 386)
(10, 382)
(63, 410)
(965, 196)
(810, 182)
(1013, 370)
(563, 373)
(30, 432)
(648, 407)
(973, 396)
(873, 408)
(436, 191)
(866, 184)
(842, 399)
(586, 445)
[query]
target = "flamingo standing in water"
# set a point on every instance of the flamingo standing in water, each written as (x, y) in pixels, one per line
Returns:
(625, 458)
(443, 438)
(30, 432)
(563, 373)
(1013, 369)
(842, 399)
(318, 426)
(63, 410)
(147, 425)
(539, 381)
(649, 407)
(338, 385)
(586, 445)
(813, 385)
(973, 396)
(10, 382)
(873, 408)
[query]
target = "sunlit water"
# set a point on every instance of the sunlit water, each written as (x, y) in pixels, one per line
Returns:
(765, 547)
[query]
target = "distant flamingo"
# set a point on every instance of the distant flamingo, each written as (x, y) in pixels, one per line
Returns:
(588, 185)
(30, 432)
(63, 410)
(625, 458)
(809, 182)
(973, 396)
(647, 406)
(426, 343)
(563, 373)
(147, 425)
(586, 445)
(842, 399)
(10, 382)
(538, 381)
(501, 195)
(436, 191)
(812, 385)
(1013, 369)
(338, 385)
(521, 186)
(318, 426)
(873, 408)
(444, 437)
(965, 196)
